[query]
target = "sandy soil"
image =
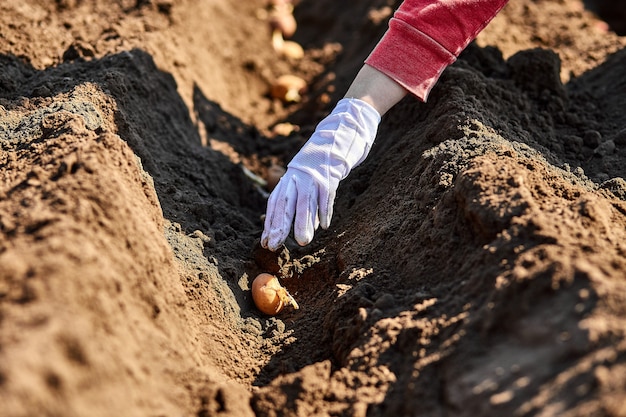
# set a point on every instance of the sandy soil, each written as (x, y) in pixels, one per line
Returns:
(475, 264)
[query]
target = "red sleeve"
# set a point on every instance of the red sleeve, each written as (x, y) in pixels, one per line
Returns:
(425, 36)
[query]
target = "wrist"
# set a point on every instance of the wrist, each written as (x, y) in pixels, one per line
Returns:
(341, 141)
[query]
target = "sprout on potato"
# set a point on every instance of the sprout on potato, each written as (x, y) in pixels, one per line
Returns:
(288, 88)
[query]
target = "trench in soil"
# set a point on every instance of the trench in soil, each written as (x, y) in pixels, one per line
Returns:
(406, 274)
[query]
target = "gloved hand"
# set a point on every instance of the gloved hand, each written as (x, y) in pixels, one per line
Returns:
(307, 190)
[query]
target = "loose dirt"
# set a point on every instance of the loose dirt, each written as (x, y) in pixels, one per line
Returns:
(475, 265)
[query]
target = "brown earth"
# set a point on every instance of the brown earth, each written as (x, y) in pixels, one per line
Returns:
(475, 265)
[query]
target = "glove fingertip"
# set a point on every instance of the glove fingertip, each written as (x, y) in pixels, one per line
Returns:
(272, 248)
(304, 239)
(275, 242)
(280, 213)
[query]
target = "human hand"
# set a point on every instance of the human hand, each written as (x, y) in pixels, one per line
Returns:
(306, 192)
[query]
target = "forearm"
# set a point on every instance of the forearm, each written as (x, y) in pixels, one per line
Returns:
(375, 88)
(425, 36)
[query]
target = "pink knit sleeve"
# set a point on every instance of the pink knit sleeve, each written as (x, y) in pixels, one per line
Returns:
(425, 36)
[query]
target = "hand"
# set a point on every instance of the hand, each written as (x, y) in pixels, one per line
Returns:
(340, 142)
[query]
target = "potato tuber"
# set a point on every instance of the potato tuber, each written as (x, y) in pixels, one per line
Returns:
(269, 296)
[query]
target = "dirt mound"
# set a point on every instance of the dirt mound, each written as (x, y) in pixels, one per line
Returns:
(474, 265)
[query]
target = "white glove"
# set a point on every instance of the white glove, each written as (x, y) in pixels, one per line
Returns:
(307, 190)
